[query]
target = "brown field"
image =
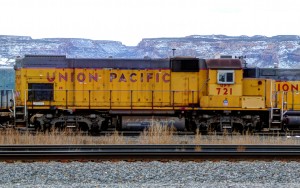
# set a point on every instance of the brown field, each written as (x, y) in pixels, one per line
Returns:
(154, 135)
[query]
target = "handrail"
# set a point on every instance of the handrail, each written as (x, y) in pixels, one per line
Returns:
(282, 103)
(271, 95)
(90, 94)
(25, 107)
(14, 102)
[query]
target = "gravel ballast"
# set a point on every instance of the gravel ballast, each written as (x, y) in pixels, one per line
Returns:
(150, 174)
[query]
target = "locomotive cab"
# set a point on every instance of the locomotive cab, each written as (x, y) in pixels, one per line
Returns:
(233, 103)
(224, 85)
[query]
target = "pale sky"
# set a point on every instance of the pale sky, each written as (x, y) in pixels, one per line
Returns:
(128, 21)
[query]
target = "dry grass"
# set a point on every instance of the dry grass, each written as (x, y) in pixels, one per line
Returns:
(12, 137)
(157, 134)
(154, 135)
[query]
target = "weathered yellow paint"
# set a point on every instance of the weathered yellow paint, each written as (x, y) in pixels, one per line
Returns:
(104, 88)
(150, 89)
(250, 93)
(269, 94)
(288, 86)
(254, 87)
(185, 88)
(220, 102)
(203, 81)
(287, 95)
(253, 102)
(225, 89)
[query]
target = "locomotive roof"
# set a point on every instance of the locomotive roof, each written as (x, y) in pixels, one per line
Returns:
(58, 61)
(120, 63)
(224, 64)
(63, 62)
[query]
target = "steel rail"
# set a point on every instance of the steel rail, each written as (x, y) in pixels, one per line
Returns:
(140, 152)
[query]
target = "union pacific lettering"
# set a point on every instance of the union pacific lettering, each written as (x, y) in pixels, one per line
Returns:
(286, 86)
(113, 77)
(80, 77)
(143, 77)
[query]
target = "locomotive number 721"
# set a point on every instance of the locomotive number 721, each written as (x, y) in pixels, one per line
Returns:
(224, 90)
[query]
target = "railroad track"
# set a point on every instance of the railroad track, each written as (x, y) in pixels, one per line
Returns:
(148, 152)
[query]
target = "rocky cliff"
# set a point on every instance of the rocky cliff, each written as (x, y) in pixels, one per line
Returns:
(260, 51)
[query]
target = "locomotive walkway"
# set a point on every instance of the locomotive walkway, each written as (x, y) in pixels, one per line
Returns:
(148, 152)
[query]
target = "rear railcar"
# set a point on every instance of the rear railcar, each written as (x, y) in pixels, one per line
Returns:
(7, 83)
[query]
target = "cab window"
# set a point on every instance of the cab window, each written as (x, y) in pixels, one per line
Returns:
(225, 77)
(40, 92)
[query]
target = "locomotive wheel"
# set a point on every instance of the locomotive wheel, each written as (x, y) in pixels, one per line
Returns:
(104, 125)
(237, 128)
(191, 125)
(119, 124)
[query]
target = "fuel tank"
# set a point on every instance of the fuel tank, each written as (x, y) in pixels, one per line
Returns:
(292, 122)
(142, 122)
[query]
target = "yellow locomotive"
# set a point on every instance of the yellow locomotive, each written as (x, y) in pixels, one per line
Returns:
(186, 92)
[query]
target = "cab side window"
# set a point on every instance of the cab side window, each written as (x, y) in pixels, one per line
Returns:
(225, 77)
(40, 92)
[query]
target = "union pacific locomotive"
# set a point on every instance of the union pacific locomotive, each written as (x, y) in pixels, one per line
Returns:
(56, 92)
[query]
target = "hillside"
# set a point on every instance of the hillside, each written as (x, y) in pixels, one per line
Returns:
(260, 51)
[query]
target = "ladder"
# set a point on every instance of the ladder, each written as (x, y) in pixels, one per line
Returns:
(277, 112)
(275, 119)
(20, 116)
